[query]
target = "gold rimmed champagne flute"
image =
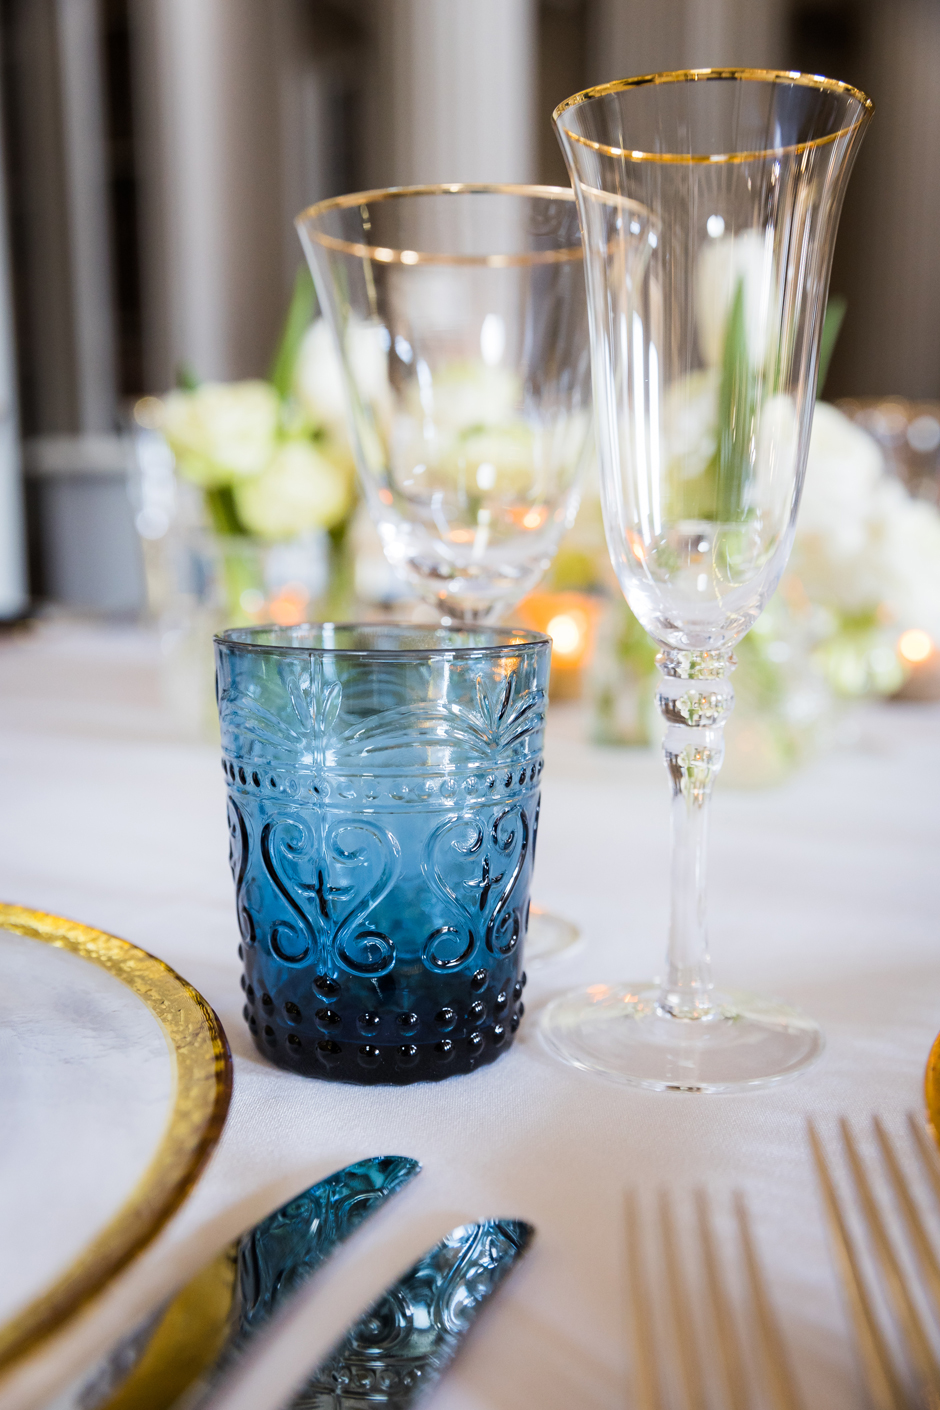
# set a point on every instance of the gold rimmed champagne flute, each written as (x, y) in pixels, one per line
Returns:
(709, 202)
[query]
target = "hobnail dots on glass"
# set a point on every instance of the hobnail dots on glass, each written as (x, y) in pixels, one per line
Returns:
(383, 804)
(709, 203)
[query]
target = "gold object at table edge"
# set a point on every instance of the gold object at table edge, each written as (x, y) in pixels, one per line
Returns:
(932, 1090)
(202, 1089)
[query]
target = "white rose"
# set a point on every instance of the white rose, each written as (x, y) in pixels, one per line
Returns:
(222, 432)
(464, 395)
(862, 542)
(690, 410)
(843, 471)
(907, 560)
(772, 487)
(300, 490)
(319, 383)
(319, 378)
(722, 265)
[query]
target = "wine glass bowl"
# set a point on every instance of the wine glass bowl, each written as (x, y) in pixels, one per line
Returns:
(462, 319)
(709, 202)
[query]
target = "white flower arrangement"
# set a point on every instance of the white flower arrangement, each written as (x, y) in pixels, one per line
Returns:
(864, 546)
(272, 458)
(866, 554)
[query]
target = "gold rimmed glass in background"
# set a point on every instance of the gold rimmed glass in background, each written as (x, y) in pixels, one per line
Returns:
(709, 202)
(461, 319)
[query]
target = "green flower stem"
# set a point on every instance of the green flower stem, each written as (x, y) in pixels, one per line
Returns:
(220, 502)
(241, 572)
(737, 408)
(341, 591)
(299, 317)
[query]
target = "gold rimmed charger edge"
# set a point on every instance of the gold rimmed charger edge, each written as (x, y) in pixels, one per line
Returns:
(932, 1091)
(202, 1090)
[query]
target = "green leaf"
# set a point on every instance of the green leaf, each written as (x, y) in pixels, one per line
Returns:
(299, 317)
(186, 379)
(832, 326)
(737, 406)
(220, 503)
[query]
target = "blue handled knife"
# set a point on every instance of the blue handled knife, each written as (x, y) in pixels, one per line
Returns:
(408, 1338)
(188, 1343)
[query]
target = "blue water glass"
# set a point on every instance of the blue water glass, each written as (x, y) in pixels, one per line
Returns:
(383, 801)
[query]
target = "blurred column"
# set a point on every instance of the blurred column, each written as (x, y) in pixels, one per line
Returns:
(83, 138)
(13, 592)
(454, 88)
(320, 57)
(635, 37)
(890, 272)
(212, 213)
(734, 33)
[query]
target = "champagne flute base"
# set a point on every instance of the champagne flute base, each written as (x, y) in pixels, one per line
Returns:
(621, 1032)
(548, 937)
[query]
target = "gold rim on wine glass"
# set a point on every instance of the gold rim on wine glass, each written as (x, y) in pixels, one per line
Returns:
(781, 76)
(385, 254)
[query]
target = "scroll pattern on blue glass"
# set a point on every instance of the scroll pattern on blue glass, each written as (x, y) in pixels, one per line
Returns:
(383, 819)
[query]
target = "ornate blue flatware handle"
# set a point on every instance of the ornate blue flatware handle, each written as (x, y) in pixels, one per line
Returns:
(182, 1350)
(409, 1337)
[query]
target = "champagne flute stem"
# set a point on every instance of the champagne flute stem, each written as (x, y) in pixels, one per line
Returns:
(695, 698)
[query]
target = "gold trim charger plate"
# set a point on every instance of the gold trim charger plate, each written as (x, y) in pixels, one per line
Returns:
(932, 1090)
(200, 1090)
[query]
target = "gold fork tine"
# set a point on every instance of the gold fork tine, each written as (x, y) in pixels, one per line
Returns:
(917, 1234)
(780, 1383)
(905, 1310)
(927, 1152)
(882, 1379)
(645, 1379)
(686, 1345)
(729, 1345)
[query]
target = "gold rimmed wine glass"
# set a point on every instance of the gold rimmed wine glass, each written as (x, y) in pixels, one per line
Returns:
(461, 320)
(709, 202)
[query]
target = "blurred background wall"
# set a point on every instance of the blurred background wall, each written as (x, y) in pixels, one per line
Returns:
(156, 151)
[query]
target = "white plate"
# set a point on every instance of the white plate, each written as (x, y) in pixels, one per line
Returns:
(114, 1083)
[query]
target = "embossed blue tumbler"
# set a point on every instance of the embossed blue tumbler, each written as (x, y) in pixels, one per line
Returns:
(383, 797)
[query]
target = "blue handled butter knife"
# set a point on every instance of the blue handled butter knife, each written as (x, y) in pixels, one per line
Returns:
(182, 1350)
(409, 1337)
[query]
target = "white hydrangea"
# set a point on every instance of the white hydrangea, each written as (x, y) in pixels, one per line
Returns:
(319, 384)
(465, 395)
(222, 432)
(300, 490)
(723, 263)
(862, 543)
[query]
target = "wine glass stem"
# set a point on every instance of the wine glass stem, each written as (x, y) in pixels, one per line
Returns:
(695, 698)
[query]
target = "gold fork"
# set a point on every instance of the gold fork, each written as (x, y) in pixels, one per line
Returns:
(905, 1310)
(723, 1375)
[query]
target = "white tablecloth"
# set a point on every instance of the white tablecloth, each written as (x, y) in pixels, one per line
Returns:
(825, 890)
